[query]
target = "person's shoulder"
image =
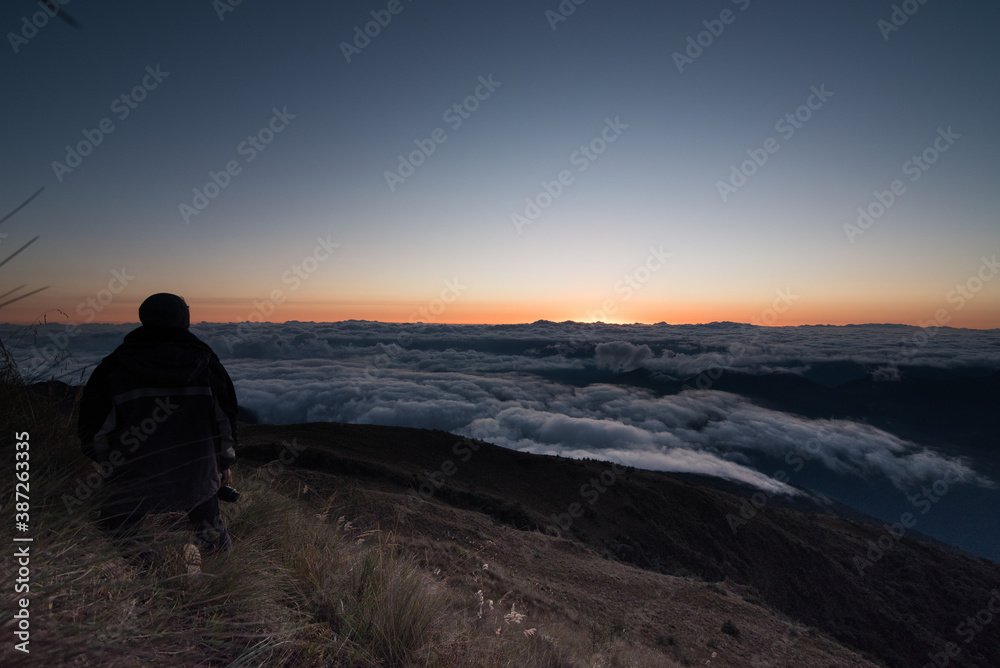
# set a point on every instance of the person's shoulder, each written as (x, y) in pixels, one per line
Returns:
(164, 336)
(195, 341)
(112, 359)
(150, 346)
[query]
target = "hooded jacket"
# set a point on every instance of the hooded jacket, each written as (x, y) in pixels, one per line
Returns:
(161, 412)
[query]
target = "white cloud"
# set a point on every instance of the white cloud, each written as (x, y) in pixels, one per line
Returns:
(508, 385)
(621, 356)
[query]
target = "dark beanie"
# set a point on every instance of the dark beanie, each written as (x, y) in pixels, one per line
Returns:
(165, 310)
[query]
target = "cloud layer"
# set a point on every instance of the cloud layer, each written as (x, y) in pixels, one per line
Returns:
(533, 387)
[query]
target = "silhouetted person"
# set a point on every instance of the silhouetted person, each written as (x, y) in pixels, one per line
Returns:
(160, 411)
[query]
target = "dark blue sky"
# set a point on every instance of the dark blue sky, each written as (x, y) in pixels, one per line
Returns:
(662, 185)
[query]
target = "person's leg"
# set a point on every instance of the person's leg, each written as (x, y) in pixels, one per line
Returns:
(120, 520)
(209, 529)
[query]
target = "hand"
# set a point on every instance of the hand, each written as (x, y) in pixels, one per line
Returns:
(226, 477)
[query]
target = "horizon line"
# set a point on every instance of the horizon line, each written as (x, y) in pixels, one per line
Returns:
(36, 323)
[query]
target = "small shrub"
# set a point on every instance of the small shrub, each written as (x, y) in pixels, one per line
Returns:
(731, 629)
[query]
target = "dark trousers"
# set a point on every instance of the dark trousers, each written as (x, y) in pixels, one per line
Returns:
(122, 521)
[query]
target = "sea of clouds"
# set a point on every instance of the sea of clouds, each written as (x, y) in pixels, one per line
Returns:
(557, 388)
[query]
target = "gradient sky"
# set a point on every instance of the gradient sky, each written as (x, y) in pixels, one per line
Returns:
(443, 240)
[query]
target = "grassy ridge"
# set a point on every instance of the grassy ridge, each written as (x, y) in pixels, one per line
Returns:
(908, 602)
(298, 588)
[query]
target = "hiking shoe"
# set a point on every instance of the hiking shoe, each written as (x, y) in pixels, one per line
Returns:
(192, 559)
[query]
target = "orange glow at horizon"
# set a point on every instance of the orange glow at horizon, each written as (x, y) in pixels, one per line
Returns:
(979, 314)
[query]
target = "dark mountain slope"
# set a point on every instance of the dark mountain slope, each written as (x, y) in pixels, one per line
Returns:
(898, 602)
